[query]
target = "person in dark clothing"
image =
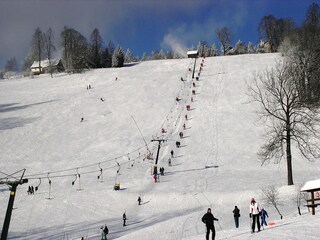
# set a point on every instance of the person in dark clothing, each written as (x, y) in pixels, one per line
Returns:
(172, 152)
(124, 217)
(104, 233)
(139, 200)
(208, 219)
(236, 215)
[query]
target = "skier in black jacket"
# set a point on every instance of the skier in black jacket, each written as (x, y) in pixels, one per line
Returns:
(208, 219)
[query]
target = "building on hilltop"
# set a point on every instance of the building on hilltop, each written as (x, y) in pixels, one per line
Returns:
(45, 65)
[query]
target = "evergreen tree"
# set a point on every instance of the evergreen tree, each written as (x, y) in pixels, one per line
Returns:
(144, 57)
(240, 48)
(128, 56)
(251, 48)
(118, 57)
(214, 51)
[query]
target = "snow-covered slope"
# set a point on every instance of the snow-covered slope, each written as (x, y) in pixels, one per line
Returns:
(216, 165)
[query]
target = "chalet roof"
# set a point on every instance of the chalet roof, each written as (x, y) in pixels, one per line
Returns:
(45, 63)
(192, 52)
(311, 186)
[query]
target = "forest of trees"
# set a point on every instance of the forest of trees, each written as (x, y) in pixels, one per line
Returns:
(78, 52)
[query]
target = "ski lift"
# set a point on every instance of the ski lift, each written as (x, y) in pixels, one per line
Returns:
(49, 197)
(100, 175)
(37, 187)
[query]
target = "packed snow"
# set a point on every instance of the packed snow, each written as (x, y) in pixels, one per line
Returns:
(58, 128)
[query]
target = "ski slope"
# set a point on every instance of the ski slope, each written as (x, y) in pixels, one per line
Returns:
(216, 165)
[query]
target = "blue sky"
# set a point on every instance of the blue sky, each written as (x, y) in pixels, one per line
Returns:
(141, 25)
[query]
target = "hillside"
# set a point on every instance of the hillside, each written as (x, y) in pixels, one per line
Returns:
(216, 165)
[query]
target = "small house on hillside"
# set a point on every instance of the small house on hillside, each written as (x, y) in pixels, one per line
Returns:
(312, 187)
(45, 65)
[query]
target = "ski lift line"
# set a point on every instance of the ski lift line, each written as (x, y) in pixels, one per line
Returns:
(140, 133)
(82, 173)
(84, 166)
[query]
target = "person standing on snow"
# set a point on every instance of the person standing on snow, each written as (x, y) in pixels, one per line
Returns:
(254, 214)
(104, 232)
(124, 218)
(208, 219)
(236, 215)
(264, 214)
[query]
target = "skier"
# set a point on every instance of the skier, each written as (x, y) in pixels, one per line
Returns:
(236, 215)
(169, 161)
(102, 99)
(104, 232)
(124, 217)
(172, 152)
(155, 177)
(177, 144)
(264, 214)
(254, 214)
(193, 84)
(184, 126)
(82, 119)
(186, 117)
(193, 92)
(139, 200)
(181, 134)
(208, 219)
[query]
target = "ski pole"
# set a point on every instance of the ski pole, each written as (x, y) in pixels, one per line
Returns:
(219, 225)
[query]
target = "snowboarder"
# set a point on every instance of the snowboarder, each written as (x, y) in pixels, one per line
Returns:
(236, 215)
(139, 200)
(208, 219)
(124, 217)
(104, 232)
(172, 152)
(264, 214)
(254, 214)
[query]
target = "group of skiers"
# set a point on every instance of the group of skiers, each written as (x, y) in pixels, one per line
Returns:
(256, 213)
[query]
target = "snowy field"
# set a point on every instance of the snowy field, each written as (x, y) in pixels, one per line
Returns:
(216, 165)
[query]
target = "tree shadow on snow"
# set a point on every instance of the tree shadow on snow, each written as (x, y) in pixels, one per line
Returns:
(11, 106)
(14, 122)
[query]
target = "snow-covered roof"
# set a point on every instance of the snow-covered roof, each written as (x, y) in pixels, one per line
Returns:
(311, 185)
(45, 63)
(192, 52)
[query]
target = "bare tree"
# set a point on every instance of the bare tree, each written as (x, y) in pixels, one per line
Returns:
(96, 43)
(299, 197)
(37, 46)
(49, 46)
(74, 46)
(270, 196)
(224, 36)
(273, 30)
(288, 119)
